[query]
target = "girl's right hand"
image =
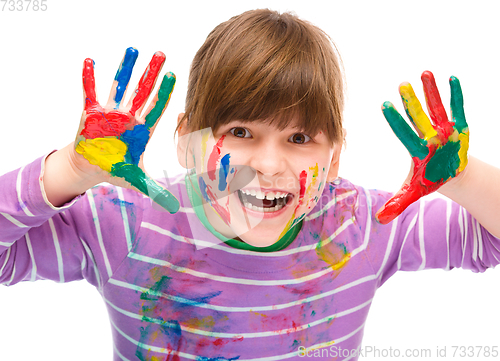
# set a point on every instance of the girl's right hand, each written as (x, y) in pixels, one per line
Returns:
(111, 140)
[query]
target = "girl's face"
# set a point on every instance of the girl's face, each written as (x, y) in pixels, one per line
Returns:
(257, 181)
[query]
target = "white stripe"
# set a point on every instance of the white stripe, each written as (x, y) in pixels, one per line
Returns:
(24, 207)
(480, 239)
(164, 350)
(389, 247)
(421, 234)
(229, 249)
(32, 256)
(239, 335)
(329, 205)
(6, 260)
(91, 256)
(465, 235)
(242, 309)
(84, 263)
(241, 281)
(119, 354)
(5, 244)
(124, 217)
(368, 225)
(448, 222)
(13, 220)
(98, 231)
(57, 247)
(410, 227)
(474, 233)
(13, 273)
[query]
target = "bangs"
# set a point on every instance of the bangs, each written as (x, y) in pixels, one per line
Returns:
(267, 67)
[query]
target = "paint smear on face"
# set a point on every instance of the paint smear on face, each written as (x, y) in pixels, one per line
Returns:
(204, 140)
(214, 158)
(223, 172)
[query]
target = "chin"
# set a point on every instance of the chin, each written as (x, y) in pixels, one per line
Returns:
(259, 237)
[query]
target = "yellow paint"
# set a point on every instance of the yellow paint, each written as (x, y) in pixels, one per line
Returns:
(462, 153)
(259, 314)
(414, 108)
(203, 323)
(103, 152)
(336, 258)
(204, 140)
(308, 191)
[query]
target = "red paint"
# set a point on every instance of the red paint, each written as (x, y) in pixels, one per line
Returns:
(222, 341)
(303, 180)
(89, 82)
(98, 123)
(214, 158)
(435, 107)
(224, 213)
(147, 82)
(418, 187)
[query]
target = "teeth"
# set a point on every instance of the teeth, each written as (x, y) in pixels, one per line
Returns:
(261, 195)
(261, 209)
(270, 196)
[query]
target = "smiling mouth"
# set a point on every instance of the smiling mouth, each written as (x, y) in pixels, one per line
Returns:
(264, 205)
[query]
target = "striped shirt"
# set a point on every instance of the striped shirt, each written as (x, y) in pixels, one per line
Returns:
(174, 292)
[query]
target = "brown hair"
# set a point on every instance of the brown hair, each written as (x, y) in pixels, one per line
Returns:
(263, 65)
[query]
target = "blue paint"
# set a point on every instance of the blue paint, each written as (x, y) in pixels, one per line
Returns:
(124, 73)
(232, 170)
(220, 358)
(197, 300)
(136, 140)
(223, 171)
(203, 189)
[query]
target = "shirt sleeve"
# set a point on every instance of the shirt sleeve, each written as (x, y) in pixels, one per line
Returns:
(86, 238)
(429, 234)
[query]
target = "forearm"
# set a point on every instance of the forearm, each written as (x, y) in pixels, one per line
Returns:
(62, 181)
(477, 189)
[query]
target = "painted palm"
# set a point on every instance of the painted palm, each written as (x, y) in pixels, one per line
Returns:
(114, 137)
(439, 151)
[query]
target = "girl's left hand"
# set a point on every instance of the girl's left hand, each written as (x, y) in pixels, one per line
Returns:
(439, 152)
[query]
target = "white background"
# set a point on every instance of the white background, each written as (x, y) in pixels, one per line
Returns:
(382, 43)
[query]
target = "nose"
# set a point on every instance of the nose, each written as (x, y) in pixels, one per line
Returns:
(268, 158)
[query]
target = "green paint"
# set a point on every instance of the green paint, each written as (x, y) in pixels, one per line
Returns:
(457, 105)
(415, 145)
(313, 313)
(137, 178)
(153, 293)
(166, 88)
(444, 164)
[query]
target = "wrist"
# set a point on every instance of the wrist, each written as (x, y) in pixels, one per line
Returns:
(459, 182)
(64, 178)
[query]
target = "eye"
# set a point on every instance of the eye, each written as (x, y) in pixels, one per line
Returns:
(240, 132)
(299, 138)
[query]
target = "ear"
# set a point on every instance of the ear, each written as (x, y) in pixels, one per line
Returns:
(333, 172)
(184, 153)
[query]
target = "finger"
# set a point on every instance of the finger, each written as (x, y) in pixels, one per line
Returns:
(122, 77)
(457, 105)
(397, 204)
(415, 112)
(160, 102)
(415, 145)
(89, 95)
(146, 185)
(435, 107)
(147, 83)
